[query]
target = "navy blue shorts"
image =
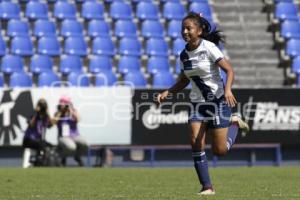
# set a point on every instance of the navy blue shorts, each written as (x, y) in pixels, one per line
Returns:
(216, 113)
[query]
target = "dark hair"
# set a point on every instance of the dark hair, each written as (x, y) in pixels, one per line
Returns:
(214, 35)
(42, 104)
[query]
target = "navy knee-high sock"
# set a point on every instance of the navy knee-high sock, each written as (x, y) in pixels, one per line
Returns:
(231, 136)
(201, 166)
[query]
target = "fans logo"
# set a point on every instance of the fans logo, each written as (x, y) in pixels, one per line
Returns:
(10, 110)
(153, 118)
(271, 116)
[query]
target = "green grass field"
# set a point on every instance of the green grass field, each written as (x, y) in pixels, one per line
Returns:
(148, 184)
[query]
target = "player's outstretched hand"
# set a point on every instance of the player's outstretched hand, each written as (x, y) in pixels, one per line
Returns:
(162, 96)
(231, 101)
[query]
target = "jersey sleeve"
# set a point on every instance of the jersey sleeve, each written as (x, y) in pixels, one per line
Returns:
(214, 53)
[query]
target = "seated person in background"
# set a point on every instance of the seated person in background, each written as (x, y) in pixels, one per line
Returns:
(70, 142)
(34, 137)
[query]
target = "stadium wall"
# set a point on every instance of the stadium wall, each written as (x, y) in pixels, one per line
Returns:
(120, 115)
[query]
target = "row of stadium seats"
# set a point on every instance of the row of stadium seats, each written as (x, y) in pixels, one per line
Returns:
(50, 45)
(67, 38)
(150, 28)
(69, 63)
(76, 79)
(95, 10)
(286, 20)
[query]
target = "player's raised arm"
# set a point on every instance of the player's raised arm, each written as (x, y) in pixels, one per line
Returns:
(182, 82)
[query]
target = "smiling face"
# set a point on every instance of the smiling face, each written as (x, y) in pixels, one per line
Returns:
(190, 31)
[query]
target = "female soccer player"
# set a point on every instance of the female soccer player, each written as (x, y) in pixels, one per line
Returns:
(201, 61)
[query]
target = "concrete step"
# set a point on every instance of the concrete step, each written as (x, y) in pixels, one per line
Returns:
(248, 37)
(258, 71)
(242, 17)
(249, 63)
(250, 44)
(256, 54)
(218, 2)
(245, 7)
(233, 25)
(266, 45)
(254, 82)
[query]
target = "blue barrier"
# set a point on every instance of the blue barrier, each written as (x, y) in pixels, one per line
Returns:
(252, 148)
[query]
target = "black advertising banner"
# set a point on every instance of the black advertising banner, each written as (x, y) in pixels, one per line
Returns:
(166, 124)
(273, 116)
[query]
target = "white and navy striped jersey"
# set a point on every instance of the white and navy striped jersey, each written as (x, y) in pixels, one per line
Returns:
(200, 67)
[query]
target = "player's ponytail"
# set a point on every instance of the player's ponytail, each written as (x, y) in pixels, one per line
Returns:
(214, 35)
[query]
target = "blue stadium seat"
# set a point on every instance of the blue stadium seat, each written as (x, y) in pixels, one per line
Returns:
(178, 46)
(293, 47)
(9, 10)
(152, 28)
(163, 79)
(165, 1)
(296, 65)
(20, 79)
(92, 10)
(17, 28)
(147, 10)
(120, 10)
(76, 79)
(286, 11)
(49, 79)
(203, 8)
(70, 64)
(22, 46)
(44, 28)
(49, 46)
(290, 29)
(11, 64)
(1, 80)
(2, 46)
(110, 1)
(125, 28)
(135, 79)
(173, 10)
(64, 10)
(103, 46)
(199, 1)
(40, 64)
(174, 29)
(130, 47)
(105, 78)
(98, 28)
(157, 47)
(177, 66)
(128, 64)
(76, 46)
(71, 28)
(36, 10)
(53, 1)
(137, 1)
(157, 64)
(100, 63)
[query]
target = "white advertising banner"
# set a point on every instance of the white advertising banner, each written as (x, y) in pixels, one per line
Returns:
(105, 113)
